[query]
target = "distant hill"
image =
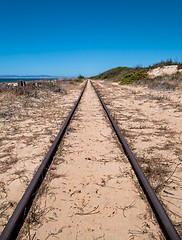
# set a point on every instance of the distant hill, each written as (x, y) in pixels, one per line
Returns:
(128, 73)
(116, 73)
(14, 78)
(27, 76)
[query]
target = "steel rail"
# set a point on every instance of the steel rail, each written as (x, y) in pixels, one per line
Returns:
(162, 217)
(15, 223)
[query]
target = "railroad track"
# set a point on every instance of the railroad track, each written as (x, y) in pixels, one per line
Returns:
(17, 219)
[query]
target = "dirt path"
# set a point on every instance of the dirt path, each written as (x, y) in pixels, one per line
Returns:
(90, 190)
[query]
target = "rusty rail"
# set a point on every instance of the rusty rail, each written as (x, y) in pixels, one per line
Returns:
(162, 217)
(16, 221)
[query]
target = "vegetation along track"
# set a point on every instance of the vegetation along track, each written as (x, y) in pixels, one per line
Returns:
(97, 186)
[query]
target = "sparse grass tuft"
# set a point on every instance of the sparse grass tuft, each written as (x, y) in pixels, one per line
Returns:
(7, 164)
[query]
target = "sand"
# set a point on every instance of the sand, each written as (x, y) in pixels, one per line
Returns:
(150, 120)
(28, 125)
(91, 190)
(160, 71)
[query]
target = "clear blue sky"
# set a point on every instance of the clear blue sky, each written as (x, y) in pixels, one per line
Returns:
(71, 37)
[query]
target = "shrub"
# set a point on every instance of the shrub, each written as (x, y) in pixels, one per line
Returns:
(163, 63)
(180, 66)
(132, 77)
(80, 77)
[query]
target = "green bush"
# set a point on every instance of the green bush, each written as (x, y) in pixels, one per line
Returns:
(163, 63)
(81, 77)
(132, 77)
(180, 66)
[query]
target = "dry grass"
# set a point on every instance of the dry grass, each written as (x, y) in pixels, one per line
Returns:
(163, 83)
(28, 124)
(4, 211)
(39, 208)
(7, 164)
(148, 115)
(31, 90)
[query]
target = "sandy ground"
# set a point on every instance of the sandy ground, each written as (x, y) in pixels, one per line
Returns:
(90, 191)
(160, 71)
(150, 120)
(28, 125)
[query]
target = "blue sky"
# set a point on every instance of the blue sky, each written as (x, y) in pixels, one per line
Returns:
(69, 37)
